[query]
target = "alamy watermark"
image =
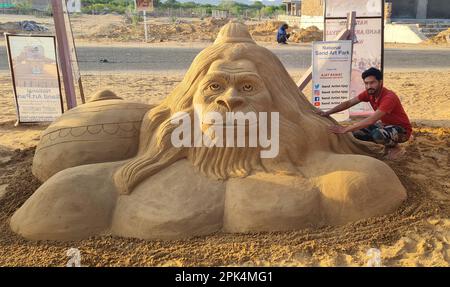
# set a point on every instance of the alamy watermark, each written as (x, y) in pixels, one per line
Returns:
(229, 130)
(74, 257)
(374, 255)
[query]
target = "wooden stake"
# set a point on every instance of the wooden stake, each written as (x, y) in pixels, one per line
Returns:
(64, 53)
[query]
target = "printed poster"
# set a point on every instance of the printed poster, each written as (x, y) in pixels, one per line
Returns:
(35, 77)
(368, 43)
(331, 75)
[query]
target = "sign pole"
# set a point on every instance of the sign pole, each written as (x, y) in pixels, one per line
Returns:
(73, 53)
(145, 25)
(64, 53)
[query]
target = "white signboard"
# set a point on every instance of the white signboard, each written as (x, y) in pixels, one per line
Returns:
(367, 52)
(36, 82)
(363, 8)
(331, 75)
(368, 45)
(74, 6)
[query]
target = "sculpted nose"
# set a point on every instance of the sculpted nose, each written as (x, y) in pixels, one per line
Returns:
(230, 101)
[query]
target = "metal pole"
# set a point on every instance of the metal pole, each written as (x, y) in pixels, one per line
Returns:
(145, 26)
(64, 53)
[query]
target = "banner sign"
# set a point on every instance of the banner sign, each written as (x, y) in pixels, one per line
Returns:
(367, 47)
(363, 8)
(36, 82)
(332, 63)
(74, 6)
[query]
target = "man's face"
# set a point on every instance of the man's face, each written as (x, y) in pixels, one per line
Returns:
(372, 85)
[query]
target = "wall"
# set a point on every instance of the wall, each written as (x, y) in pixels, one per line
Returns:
(312, 7)
(402, 33)
(438, 9)
(406, 9)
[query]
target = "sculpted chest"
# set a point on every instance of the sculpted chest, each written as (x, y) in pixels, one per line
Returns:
(183, 200)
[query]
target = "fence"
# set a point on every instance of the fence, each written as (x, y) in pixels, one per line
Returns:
(111, 48)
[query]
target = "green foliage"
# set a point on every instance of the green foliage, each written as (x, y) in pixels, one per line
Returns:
(118, 6)
(23, 6)
(235, 8)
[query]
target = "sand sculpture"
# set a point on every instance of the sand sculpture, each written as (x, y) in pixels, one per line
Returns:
(166, 192)
(105, 129)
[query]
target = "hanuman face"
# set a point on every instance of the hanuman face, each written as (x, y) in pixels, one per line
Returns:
(232, 87)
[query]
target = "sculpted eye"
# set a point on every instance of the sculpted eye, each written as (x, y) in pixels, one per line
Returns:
(247, 88)
(214, 87)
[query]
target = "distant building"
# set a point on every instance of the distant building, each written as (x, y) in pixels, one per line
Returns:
(219, 14)
(420, 9)
(293, 7)
(312, 10)
(33, 70)
(312, 13)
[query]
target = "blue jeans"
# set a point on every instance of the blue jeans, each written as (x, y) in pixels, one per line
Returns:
(389, 136)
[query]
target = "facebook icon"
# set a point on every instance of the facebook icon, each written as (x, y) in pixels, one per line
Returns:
(316, 99)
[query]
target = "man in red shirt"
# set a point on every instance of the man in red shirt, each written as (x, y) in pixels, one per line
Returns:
(394, 126)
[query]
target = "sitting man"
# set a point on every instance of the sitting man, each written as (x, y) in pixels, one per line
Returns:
(282, 35)
(394, 127)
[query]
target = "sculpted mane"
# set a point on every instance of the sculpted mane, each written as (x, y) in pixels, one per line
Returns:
(297, 119)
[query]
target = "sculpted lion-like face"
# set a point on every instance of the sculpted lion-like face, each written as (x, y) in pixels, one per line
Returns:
(232, 86)
(233, 75)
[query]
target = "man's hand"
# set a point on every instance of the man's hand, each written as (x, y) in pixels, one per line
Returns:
(321, 113)
(337, 129)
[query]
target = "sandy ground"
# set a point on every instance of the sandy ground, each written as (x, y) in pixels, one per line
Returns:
(122, 29)
(418, 234)
(162, 31)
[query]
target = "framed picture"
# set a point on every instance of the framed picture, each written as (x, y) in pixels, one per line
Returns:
(35, 76)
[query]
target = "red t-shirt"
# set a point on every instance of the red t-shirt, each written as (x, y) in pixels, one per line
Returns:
(389, 103)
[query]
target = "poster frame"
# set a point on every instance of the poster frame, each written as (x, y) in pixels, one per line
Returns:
(8, 48)
(325, 18)
(350, 67)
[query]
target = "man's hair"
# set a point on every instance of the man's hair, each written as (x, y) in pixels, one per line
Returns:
(372, 72)
(285, 26)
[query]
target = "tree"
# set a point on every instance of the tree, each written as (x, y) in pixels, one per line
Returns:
(258, 5)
